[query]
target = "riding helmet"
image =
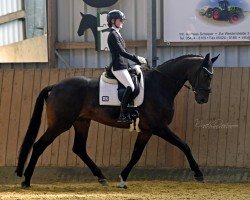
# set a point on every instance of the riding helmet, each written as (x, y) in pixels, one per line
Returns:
(115, 14)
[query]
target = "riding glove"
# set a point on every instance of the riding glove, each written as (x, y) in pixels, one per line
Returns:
(142, 60)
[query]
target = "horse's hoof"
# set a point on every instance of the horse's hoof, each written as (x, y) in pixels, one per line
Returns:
(25, 185)
(19, 173)
(199, 177)
(122, 183)
(103, 182)
(122, 187)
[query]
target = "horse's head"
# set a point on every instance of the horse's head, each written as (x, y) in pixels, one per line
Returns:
(88, 21)
(201, 79)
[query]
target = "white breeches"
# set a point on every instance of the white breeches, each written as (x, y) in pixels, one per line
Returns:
(124, 77)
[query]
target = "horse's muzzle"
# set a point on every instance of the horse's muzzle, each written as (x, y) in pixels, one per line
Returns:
(201, 99)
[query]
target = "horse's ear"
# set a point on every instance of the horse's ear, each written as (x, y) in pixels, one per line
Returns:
(82, 14)
(206, 60)
(215, 58)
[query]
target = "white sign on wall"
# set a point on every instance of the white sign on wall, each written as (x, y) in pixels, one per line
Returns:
(206, 20)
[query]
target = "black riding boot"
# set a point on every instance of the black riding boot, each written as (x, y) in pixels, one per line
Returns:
(124, 116)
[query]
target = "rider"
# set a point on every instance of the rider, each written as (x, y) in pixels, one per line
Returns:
(115, 19)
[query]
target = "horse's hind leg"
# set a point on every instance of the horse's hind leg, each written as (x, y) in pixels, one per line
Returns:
(38, 148)
(171, 137)
(81, 127)
(141, 141)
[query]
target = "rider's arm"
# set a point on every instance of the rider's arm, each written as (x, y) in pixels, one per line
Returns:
(114, 41)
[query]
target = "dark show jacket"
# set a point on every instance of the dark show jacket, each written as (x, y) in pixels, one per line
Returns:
(119, 52)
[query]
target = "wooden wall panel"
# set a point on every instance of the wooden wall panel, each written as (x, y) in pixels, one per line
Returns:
(100, 145)
(1, 81)
(12, 140)
(152, 149)
(214, 117)
(233, 117)
(203, 133)
(125, 147)
(247, 137)
(244, 103)
(35, 92)
(161, 153)
(6, 96)
(196, 131)
(115, 149)
(107, 146)
(180, 125)
(92, 139)
(27, 99)
(224, 105)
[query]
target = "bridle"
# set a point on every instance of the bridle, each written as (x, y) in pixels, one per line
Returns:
(196, 82)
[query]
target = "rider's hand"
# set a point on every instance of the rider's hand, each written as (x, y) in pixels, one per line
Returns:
(142, 60)
(137, 68)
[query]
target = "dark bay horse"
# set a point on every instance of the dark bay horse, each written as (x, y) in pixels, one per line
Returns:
(75, 102)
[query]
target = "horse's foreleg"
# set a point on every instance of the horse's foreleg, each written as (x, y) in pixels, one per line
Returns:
(38, 148)
(141, 141)
(168, 135)
(81, 134)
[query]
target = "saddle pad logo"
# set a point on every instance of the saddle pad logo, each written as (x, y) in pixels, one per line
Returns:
(105, 98)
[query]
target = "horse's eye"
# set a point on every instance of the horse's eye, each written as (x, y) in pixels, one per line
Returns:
(208, 76)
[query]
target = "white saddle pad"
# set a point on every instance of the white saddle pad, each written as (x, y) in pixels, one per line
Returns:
(108, 94)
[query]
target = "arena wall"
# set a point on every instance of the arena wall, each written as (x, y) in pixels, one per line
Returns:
(218, 132)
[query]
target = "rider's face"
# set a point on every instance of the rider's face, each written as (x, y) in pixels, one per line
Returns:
(119, 23)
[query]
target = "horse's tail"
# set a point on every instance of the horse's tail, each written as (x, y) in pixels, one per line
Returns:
(32, 131)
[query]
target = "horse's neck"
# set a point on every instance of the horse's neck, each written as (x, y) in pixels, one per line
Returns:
(169, 79)
(163, 86)
(186, 70)
(175, 78)
(176, 86)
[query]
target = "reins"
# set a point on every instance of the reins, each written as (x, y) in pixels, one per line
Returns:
(196, 79)
(171, 77)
